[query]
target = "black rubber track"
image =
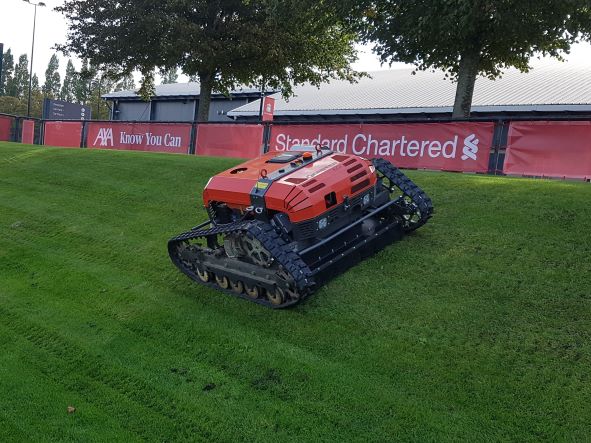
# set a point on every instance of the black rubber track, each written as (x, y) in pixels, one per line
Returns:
(291, 262)
(409, 188)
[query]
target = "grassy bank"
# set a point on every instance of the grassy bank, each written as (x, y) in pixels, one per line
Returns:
(477, 327)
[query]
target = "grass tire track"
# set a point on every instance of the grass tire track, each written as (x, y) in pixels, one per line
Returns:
(113, 377)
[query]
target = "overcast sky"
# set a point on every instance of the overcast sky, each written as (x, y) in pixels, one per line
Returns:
(16, 26)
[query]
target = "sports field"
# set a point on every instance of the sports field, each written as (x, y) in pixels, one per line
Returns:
(476, 328)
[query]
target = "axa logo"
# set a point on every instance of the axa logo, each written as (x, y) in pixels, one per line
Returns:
(470, 147)
(105, 135)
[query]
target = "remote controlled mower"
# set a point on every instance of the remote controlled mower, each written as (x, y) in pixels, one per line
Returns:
(282, 224)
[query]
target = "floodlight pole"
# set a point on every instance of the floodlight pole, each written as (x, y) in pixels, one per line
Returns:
(32, 53)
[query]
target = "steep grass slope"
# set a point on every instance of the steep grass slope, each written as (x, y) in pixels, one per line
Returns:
(477, 327)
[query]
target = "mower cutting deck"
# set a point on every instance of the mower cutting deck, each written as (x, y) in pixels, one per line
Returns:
(285, 223)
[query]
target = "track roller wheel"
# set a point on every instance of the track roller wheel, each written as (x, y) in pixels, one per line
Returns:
(203, 275)
(252, 291)
(276, 297)
(222, 281)
(237, 286)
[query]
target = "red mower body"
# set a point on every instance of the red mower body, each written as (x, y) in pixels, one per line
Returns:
(302, 187)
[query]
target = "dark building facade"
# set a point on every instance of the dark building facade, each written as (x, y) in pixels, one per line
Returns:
(176, 102)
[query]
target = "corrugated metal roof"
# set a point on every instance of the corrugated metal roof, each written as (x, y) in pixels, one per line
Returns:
(176, 90)
(549, 86)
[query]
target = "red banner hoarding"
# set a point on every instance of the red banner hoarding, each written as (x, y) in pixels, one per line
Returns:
(157, 137)
(441, 146)
(66, 134)
(549, 149)
(5, 125)
(28, 132)
(240, 141)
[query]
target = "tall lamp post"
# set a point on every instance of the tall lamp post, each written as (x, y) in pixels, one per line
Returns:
(32, 53)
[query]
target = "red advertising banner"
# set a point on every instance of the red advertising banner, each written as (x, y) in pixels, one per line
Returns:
(5, 125)
(28, 132)
(549, 149)
(66, 134)
(157, 137)
(268, 109)
(241, 141)
(442, 146)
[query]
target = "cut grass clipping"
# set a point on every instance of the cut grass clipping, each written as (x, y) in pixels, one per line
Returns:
(477, 327)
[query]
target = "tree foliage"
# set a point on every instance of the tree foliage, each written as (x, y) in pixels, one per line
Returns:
(91, 85)
(68, 91)
(101, 84)
(7, 72)
(170, 76)
(125, 83)
(467, 38)
(83, 82)
(20, 86)
(35, 84)
(52, 85)
(225, 43)
(16, 87)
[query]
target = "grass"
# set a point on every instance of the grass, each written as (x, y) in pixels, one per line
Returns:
(477, 327)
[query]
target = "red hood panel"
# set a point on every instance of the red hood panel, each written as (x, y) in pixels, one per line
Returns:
(301, 194)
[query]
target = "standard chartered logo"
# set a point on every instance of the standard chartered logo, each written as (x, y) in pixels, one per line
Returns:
(470, 147)
(443, 145)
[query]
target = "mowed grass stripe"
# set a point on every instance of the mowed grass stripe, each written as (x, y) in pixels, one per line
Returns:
(89, 368)
(129, 389)
(141, 330)
(54, 389)
(76, 263)
(474, 328)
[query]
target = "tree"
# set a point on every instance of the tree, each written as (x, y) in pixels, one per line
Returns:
(125, 83)
(68, 91)
(83, 81)
(467, 38)
(101, 84)
(170, 76)
(35, 84)
(52, 85)
(18, 106)
(91, 84)
(20, 86)
(582, 22)
(225, 43)
(36, 98)
(7, 72)
(13, 105)
(14, 96)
